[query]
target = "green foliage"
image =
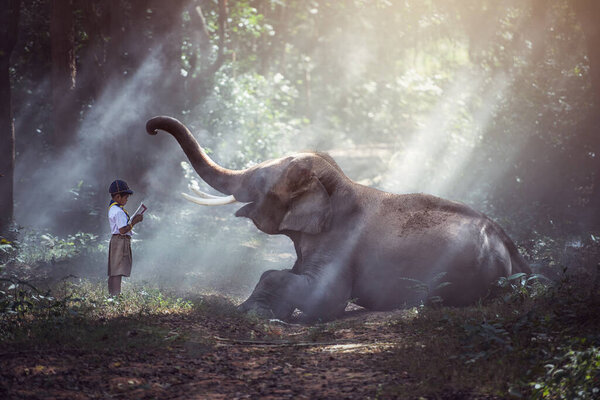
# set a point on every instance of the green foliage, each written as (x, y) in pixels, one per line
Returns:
(574, 375)
(7, 250)
(45, 247)
(248, 118)
(26, 311)
(19, 298)
(529, 340)
(425, 291)
(520, 287)
(488, 338)
(247, 23)
(21, 301)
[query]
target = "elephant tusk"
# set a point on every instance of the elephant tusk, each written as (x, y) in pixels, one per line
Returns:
(210, 202)
(206, 195)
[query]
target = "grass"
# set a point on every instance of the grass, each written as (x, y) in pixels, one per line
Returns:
(81, 314)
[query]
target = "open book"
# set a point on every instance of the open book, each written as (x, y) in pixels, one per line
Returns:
(140, 211)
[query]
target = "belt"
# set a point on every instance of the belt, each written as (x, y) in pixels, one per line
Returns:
(121, 236)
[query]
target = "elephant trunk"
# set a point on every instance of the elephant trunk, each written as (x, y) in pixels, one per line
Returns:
(224, 180)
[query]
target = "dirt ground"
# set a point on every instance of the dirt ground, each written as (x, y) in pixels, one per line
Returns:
(205, 358)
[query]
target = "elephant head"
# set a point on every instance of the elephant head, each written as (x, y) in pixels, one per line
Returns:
(286, 195)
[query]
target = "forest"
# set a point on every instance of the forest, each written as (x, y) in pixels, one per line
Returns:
(491, 104)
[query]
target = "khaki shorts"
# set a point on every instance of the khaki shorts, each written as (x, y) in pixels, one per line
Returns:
(119, 255)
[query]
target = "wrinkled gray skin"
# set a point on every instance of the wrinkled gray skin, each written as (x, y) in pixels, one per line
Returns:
(355, 242)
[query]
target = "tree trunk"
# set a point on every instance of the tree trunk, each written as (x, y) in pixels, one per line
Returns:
(62, 36)
(535, 30)
(588, 13)
(91, 74)
(167, 39)
(9, 23)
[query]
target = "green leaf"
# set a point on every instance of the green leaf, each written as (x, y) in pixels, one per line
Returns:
(516, 276)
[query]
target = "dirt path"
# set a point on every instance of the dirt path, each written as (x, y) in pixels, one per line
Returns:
(220, 358)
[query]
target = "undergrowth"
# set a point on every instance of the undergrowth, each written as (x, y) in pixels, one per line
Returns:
(42, 247)
(530, 341)
(78, 313)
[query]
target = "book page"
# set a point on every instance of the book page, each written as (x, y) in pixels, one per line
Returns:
(140, 210)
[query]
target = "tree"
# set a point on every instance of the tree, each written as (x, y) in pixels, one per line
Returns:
(167, 38)
(9, 23)
(202, 81)
(64, 72)
(588, 13)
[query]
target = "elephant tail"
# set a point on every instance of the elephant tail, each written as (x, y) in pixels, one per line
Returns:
(516, 260)
(518, 264)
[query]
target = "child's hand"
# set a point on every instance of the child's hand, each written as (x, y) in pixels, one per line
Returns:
(137, 219)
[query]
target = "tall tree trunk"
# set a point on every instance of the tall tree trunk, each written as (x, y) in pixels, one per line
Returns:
(62, 36)
(9, 23)
(91, 74)
(167, 39)
(588, 13)
(535, 29)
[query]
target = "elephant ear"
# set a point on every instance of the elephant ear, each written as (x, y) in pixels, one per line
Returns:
(310, 208)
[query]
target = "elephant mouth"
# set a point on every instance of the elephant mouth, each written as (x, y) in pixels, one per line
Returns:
(265, 211)
(266, 222)
(247, 210)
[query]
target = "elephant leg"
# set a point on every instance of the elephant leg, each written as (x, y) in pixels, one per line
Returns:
(276, 294)
(279, 293)
(326, 296)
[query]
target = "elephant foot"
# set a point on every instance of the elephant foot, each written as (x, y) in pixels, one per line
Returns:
(262, 311)
(255, 310)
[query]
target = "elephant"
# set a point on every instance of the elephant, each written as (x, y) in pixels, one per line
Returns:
(382, 251)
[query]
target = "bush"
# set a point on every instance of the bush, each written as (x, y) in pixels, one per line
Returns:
(247, 117)
(574, 375)
(531, 340)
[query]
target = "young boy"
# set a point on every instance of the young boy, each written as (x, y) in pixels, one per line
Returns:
(119, 251)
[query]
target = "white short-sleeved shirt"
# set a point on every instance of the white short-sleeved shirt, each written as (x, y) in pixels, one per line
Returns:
(117, 219)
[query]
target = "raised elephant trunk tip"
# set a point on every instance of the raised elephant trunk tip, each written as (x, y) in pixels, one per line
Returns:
(222, 179)
(155, 124)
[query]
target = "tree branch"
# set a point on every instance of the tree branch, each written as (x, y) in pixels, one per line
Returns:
(203, 36)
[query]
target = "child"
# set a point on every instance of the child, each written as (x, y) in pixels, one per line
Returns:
(119, 251)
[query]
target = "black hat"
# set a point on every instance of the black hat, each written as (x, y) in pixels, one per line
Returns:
(119, 187)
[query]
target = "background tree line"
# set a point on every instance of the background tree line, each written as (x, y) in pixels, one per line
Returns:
(512, 89)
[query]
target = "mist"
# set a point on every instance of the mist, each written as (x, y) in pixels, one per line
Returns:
(431, 120)
(467, 234)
